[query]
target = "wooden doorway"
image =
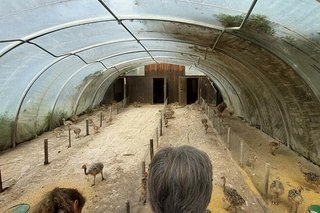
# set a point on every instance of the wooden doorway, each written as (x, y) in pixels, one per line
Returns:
(192, 90)
(158, 90)
(182, 91)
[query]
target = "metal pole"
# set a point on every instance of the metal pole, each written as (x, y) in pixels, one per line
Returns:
(241, 153)
(124, 92)
(143, 168)
(228, 138)
(110, 119)
(46, 157)
(128, 206)
(101, 118)
(87, 127)
(69, 129)
(266, 179)
(151, 149)
(165, 91)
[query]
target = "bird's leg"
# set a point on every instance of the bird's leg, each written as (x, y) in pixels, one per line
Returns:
(102, 176)
(94, 180)
(277, 199)
(273, 199)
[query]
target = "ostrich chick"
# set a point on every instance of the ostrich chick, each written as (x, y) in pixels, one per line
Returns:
(77, 131)
(235, 200)
(66, 123)
(274, 145)
(276, 189)
(206, 127)
(58, 131)
(310, 177)
(94, 169)
(295, 198)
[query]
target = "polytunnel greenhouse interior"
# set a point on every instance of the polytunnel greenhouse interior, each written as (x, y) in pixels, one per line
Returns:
(113, 83)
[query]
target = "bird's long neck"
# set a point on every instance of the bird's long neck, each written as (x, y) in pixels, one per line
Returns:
(85, 171)
(224, 184)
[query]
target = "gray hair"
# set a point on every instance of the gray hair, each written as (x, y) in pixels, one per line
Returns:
(180, 180)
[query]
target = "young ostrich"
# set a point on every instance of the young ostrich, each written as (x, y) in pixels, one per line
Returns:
(274, 145)
(310, 177)
(295, 198)
(276, 189)
(94, 169)
(77, 131)
(66, 123)
(235, 200)
(58, 131)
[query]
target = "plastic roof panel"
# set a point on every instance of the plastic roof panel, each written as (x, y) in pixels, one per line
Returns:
(36, 15)
(110, 49)
(165, 30)
(187, 10)
(78, 37)
(15, 76)
(114, 61)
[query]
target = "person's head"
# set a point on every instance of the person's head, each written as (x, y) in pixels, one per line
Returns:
(180, 180)
(62, 200)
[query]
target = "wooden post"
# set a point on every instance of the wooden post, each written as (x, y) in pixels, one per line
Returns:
(87, 127)
(228, 138)
(110, 113)
(69, 130)
(151, 149)
(101, 118)
(46, 157)
(128, 206)
(241, 153)
(124, 92)
(266, 179)
(143, 168)
(157, 136)
(161, 125)
(1, 188)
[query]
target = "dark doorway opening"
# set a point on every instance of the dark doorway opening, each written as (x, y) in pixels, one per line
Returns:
(192, 90)
(158, 95)
(118, 90)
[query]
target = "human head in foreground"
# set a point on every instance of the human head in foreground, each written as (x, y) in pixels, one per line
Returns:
(180, 180)
(61, 200)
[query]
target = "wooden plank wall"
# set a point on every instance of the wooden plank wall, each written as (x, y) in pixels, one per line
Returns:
(141, 88)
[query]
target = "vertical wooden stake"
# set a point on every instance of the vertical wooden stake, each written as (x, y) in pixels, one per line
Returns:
(151, 149)
(101, 118)
(1, 188)
(241, 153)
(117, 108)
(161, 125)
(87, 127)
(143, 168)
(69, 130)
(157, 136)
(110, 113)
(46, 157)
(266, 179)
(128, 206)
(228, 138)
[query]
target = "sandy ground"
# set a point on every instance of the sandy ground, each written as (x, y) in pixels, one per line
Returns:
(123, 145)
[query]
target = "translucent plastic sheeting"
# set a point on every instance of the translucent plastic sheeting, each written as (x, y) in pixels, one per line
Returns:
(110, 49)
(166, 30)
(71, 92)
(36, 110)
(297, 15)
(187, 10)
(113, 61)
(83, 36)
(175, 55)
(174, 46)
(21, 18)
(85, 101)
(17, 70)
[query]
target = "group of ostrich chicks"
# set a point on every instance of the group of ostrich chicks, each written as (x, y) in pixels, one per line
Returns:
(58, 131)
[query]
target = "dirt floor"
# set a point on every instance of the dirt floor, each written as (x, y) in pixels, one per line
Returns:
(124, 143)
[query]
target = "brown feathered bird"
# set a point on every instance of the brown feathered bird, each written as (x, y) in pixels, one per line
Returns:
(235, 200)
(274, 146)
(276, 189)
(295, 198)
(93, 170)
(310, 177)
